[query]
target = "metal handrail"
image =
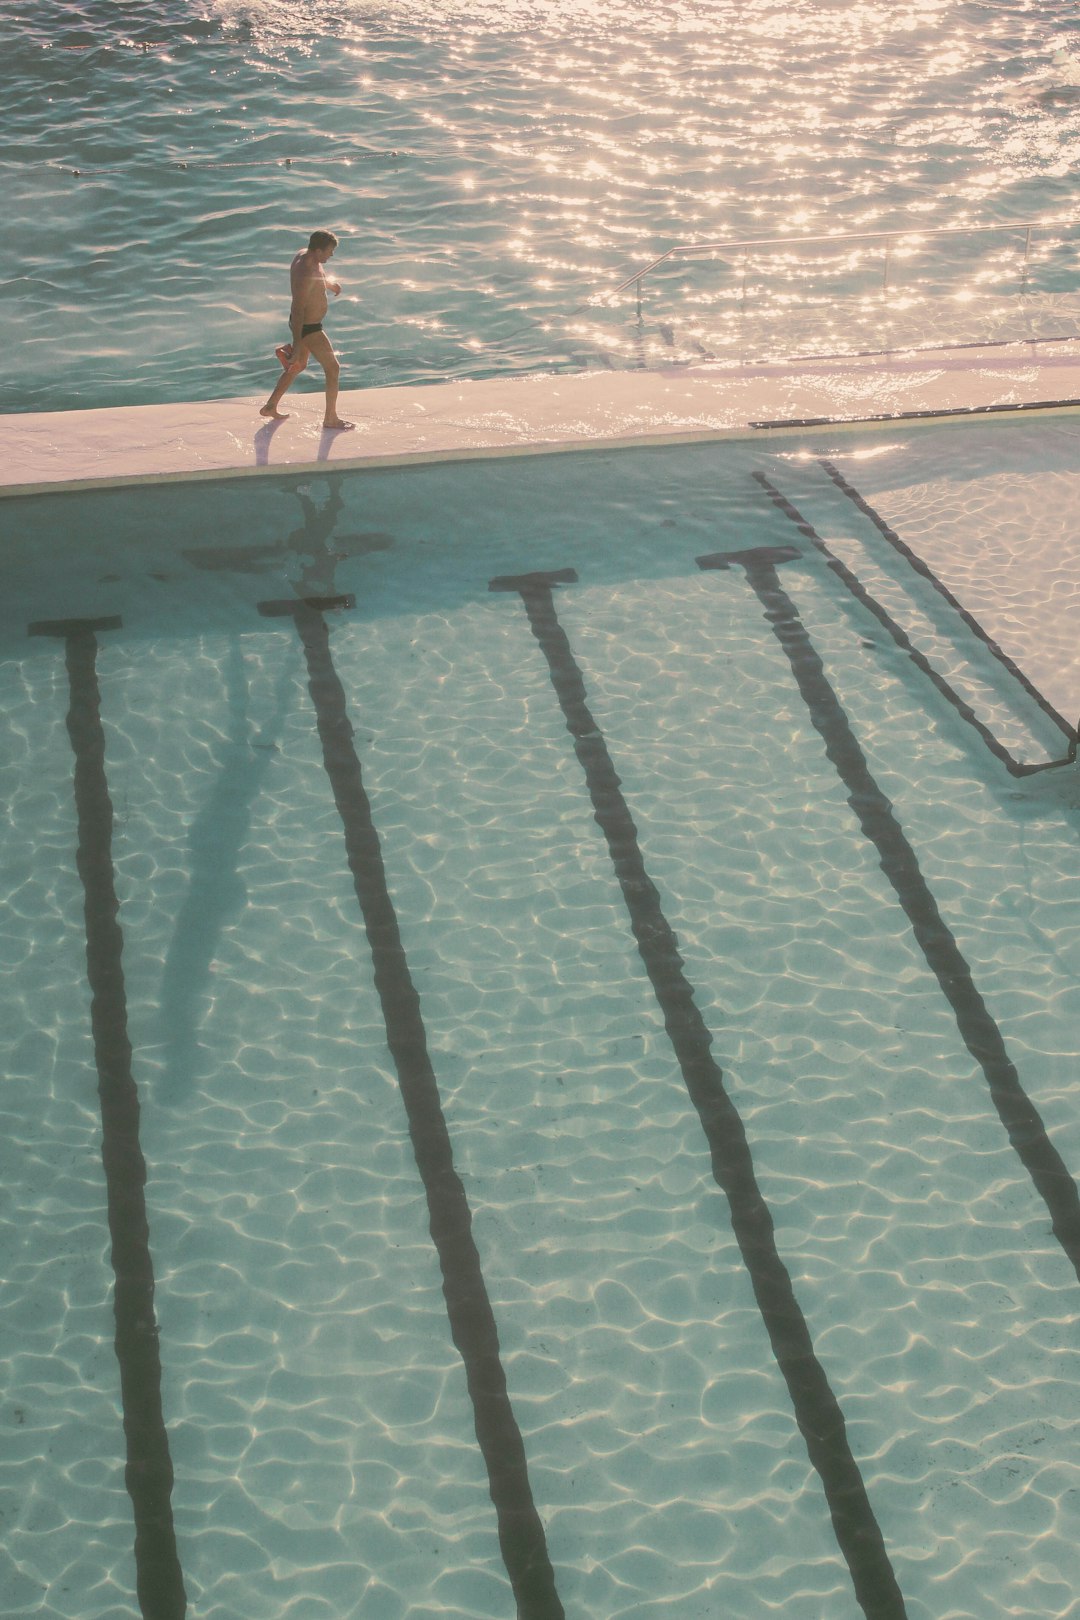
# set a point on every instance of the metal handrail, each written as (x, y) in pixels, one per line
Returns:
(888, 237)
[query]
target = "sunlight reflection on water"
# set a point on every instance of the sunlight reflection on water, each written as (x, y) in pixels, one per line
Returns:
(487, 168)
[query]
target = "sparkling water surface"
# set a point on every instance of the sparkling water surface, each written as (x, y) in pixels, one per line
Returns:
(489, 167)
(318, 1418)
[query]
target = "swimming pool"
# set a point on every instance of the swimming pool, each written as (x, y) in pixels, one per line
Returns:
(597, 1014)
(489, 167)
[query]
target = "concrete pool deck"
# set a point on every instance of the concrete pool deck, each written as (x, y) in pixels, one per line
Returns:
(530, 415)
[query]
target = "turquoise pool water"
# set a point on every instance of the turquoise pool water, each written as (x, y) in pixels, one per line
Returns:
(668, 921)
(487, 168)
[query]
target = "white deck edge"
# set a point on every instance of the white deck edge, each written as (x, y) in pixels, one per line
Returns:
(533, 415)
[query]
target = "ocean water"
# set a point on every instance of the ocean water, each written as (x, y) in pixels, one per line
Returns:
(489, 167)
(316, 1411)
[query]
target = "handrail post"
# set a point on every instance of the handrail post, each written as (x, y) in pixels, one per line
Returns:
(832, 241)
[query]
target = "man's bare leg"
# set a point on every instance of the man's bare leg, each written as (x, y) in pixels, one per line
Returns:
(293, 368)
(322, 349)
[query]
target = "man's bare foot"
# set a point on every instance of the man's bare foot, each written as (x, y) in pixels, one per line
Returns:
(284, 352)
(338, 423)
(275, 416)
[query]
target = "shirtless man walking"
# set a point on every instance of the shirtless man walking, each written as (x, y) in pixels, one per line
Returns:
(310, 284)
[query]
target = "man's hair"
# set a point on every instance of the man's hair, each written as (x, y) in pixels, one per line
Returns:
(321, 239)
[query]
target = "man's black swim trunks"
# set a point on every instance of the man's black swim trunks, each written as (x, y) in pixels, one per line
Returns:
(314, 326)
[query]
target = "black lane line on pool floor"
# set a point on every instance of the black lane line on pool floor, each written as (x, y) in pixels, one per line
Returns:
(472, 1320)
(149, 1472)
(817, 1411)
(980, 1034)
(920, 567)
(858, 590)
